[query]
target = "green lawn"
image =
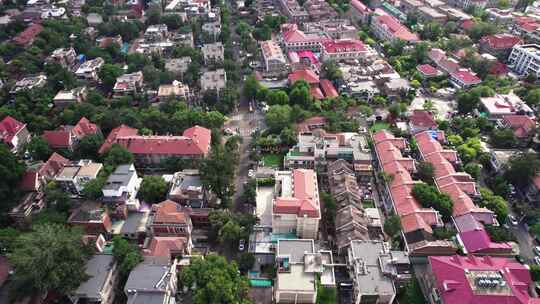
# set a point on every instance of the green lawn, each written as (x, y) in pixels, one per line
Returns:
(379, 126)
(368, 204)
(272, 160)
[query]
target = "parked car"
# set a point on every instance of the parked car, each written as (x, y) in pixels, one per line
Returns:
(537, 260)
(513, 220)
(241, 245)
(536, 250)
(251, 173)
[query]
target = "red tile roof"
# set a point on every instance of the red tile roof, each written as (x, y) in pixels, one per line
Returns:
(397, 29)
(522, 125)
(527, 24)
(499, 69)
(305, 199)
(51, 168)
(328, 88)
(311, 123)
(501, 41)
(478, 241)
(121, 131)
(467, 24)
(9, 127)
(344, 45)
(428, 70)
(423, 119)
(466, 76)
(307, 75)
(169, 212)
(165, 246)
(451, 280)
(64, 136)
(28, 35)
(316, 93)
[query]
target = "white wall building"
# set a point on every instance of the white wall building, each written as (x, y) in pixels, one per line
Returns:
(525, 59)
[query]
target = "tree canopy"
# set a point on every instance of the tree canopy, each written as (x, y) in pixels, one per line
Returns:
(153, 189)
(428, 196)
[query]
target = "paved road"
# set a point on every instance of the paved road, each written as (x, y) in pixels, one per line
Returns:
(525, 242)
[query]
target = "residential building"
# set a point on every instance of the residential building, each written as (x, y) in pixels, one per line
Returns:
(122, 187)
(498, 106)
(170, 248)
(429, 14)
(319, 10)
(128, 84)
(65, 98)
(31, 204)
(94, 19)
(213, 52)
(154, 280)
(421, 121)
(359, 12)
(29, 83)
(428, 71)
(464, 79)
(213, 29)
(89, 69)
(293, 11)
(187, 189)
(213, 80)
(176, 89)
(525, 59)
(397, 87)
(499, 45)
(373, 267)
(501, 16)
(68, 137)
(27, 37)
(298, 265)
(388, 28)
(64, 56)
(105, 42)
(522, 125)
(410, 6)
(296, 207)
(346, 49)
(273, 57)
(92, 218)
(169, 219)
(102, 271)
(14, 134)
(156, 33)
(40, 174)
(151, 150)
(335, 28)
(178, 65)
(470, 279)
(464, 4)
(75, 175)
(296, 40)
(183, 39)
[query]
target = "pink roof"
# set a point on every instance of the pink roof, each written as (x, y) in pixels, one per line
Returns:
(161, 246)
(436, 54)
(26, 36)
(121, 131)
(501, 41)
(467, 24)
(423, 119)
(344, 45)
(478, 241)
(359, 6)
(308, 54)
(58, 139)
(397, 29)
(466, 76)
(428, 70)
(316, 93)
(169, 212)
(328, 88)
(455, 287)
(305, 201)
(9, 127)
(307, 75)
(499, 69)
(384, 135)
(522, 125)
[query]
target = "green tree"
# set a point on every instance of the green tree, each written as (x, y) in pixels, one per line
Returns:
(38, 148)
(246, 262)
(413, 293)
(392, 225)
(533, 97)
(288, 136)
(300, 95)
(278, 117)
(153, 189)
(217, 173)
(92, 189)
(108, 75)
(118, 155)
(126, 255)
(426, 172)
(11, 170)
(50, 258)
(503, 138)
(535, 272)
(494, 203)
(88, 147)
(522, 168)
(215, 281)
(428, 196)
(473, 169)
(277, 97)
(251, 87)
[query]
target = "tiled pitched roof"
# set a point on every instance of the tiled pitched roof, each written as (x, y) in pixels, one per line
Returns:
(121, 131)
(423, 118)
(397, 29)
(169, 212)
(522, 125)
(466, 76)
(305, 201)
(161, 246)
(328, 88)
(307, 75)
(428, 70)
(26, 36)
(9, 127)
(501, 41)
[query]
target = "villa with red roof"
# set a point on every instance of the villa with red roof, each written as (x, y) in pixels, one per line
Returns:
(151, 150)
(477, 280)
(168, 219)
(296, 40)
(360, 12)
(345, 49)
(35, 177)
(168, 247)
(13, 133)
(420, 121)
(499, 45)
(68, 137)
(297, 207)
(464, 78)
(388, 28)
(522, 125)
(428, 71)
(417, 222)
(319, 89)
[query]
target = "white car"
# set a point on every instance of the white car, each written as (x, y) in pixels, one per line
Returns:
(251, 173)
(537, 260)
(241, 245)
(513, 220)
(536, 250)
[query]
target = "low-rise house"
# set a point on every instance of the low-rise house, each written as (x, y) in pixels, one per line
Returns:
(105, 42)
(38, 175)
(68, 137)
(293, 11)
(296, 207)
(410, 6)
(102, 271)
(122, 187)
(131, 225)
(29, 83)
(428, 71)
(31, 204)
(183, 39)
(319, 10)
(346, 49)
(156, 33)
(421, 121)
(360, 12)
(213, 53)
(128, 84)
(89, 69)
(65, 98)
(397, 87)
(273, 57)
(298, 265)
(499, 45)
(214, 80)
(13, 133)
(500, 105)
(92, 218)
(152, 281)
(188, 190)
(296, 40)
(429, 14)
(464, 78)
(525, 59)
(168, 247)
(64, 56)
(388, 28)
(213, 29)
(75, 175)
(176, 89)
(335, 29)
(470, 279)
(94, 19)
(27, 37)
(169, 219)
(178, 65)
(373, 267)
(522, 125)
